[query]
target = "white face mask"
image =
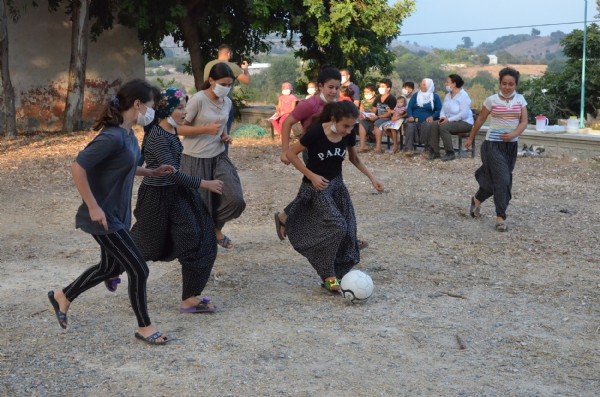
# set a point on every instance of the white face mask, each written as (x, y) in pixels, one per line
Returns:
(381, 90)
(171, 121)
(404, 92)
(344, 79)
(509, 96)
(448, 88)
(286, 92)
(146, 118)
(322, 96)
(221, 91)
(333, 127)
(311, 91)
(368, 97)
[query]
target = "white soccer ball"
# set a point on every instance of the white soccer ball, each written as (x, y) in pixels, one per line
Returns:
(356, 286)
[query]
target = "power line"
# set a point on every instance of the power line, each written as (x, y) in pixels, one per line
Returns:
(508, 27)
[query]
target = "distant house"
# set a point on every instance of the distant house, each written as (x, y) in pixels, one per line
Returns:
(40, 50)
(493, 59)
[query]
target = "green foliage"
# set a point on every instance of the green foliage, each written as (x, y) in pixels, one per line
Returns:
(502, 42)
(265, 87)
(535, 32)
(557, 94)
(163, 84)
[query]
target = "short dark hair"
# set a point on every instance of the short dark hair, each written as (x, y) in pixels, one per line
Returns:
(456, 79)
(328, 73)
(387, 82)
(409, 84)
(508, 71)
(347, 91)
(225, 47)
(338, 110)
(372, 87)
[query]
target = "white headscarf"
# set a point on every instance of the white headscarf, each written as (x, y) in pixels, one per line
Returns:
(426, 97)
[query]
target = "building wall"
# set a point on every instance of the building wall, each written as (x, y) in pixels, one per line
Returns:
(40, 50)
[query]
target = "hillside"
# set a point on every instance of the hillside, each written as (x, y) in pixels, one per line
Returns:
(526, 70)
(536, 48)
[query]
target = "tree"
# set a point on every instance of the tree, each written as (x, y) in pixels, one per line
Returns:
(467, 42)
(9, 117)
(535, 32)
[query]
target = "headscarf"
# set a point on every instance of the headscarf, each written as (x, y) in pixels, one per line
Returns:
(426, 97)
(169, 100)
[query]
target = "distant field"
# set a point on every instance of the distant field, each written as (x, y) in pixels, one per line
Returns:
(530, 70)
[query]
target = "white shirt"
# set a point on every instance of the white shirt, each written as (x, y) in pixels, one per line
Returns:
(457, 108)
(201, 111)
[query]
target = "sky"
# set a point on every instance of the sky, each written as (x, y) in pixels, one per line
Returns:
(450, 15)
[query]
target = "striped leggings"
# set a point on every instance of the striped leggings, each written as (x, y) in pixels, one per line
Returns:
(118, 251)
(495, 174)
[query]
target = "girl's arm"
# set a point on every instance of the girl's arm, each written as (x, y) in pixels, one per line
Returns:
(354, 159)
(286, 128)
(318, 181)
(83, 187)
(509, 136)
(191, 130)
(483, 114)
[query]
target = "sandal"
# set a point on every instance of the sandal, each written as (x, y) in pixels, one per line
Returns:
(152, 339)
(501, 227)
(60, 316)
(112, 283)
(278, 226)
(331, 284)
(203, 307)
(362, 244)
(225, 242)
(474, 210)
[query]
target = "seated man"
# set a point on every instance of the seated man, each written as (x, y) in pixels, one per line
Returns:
(382, 109)
(366, 105)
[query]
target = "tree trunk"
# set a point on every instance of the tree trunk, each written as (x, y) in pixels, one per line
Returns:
(80, 33)
(192, 39)
(8, 92)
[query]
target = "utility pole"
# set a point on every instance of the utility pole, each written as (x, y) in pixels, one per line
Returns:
(582, 114)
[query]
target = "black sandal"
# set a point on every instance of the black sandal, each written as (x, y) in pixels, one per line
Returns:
(278, 226)
(60, 316)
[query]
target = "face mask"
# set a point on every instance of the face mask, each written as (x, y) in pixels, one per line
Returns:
(221, 91)
(509, 96)
(311, 91)
(322, 96)
(146, 118)
(404, 92)
(333, 128)
(381, 90)
(344, 79)
(368, 97)
(286, 92)
(448, 88)
(171, 121)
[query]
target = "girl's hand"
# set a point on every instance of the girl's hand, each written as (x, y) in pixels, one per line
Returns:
(319, 182)
(429, 119)
(213, 128)
(226, 139)
(377, 185)
(507, 137)
(468, 143)
(163, 170)
(98, 216)
(215, 186)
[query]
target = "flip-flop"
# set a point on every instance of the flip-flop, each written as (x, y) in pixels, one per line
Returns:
(225, 242)
(202, 307)
(362, 244)
(152, 339)
(501, 227)
(278, 226)
(60, 316)
(112, 283)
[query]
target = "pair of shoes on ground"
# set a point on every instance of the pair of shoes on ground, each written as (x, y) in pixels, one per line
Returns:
(447, 156)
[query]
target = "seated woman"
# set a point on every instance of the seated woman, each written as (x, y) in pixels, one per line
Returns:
(285, 105)
(456, 117)
(392, 127)
(423, 109)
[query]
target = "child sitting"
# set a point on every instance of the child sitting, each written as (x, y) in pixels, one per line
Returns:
(346, 94)
(392, 127)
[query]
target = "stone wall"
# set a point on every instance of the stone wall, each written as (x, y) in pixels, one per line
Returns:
(40, 51)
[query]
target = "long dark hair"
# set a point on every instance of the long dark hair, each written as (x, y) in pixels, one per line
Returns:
(337, 110)
(218, 71)
(112, 115)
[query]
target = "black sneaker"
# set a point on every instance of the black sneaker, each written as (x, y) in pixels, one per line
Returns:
(433, 156)
(449, 157)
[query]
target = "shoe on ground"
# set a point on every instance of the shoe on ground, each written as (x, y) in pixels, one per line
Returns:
(449, 157)
(433, 156)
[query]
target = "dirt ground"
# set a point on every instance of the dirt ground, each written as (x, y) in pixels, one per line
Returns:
(458, 309)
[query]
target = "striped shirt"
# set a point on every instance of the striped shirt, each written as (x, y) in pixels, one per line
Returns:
(162, 147)
(505, 115)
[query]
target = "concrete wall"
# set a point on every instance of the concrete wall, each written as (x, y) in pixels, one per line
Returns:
(40, 50)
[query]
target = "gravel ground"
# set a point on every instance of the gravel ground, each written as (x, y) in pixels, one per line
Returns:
(458, 309)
